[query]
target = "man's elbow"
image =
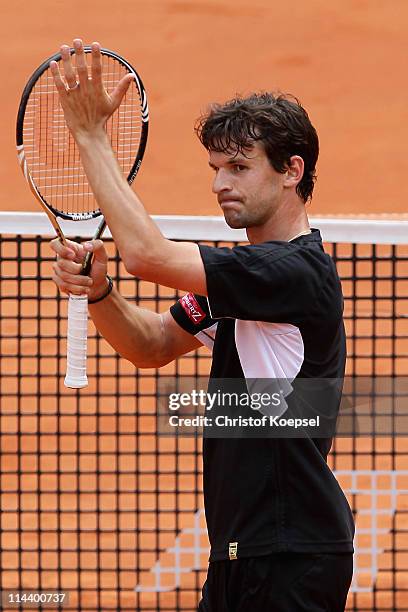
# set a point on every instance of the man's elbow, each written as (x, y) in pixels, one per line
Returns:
(152, 362)
(135, 265)
(143, 263)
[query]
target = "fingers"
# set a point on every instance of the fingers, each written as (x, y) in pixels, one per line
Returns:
(99, 262)
(67, 270)
(81, 73)
(69, 72)
(96, 65)
(81, 65)
(65, 265)
(68, 278)
(70, 250)
(97, 248)
(86, 103)
(76, 285)
(59, 83)
(120, 90)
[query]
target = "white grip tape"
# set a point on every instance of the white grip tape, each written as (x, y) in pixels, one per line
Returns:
(77, 341)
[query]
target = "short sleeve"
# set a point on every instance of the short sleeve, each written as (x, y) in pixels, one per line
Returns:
(272, 281)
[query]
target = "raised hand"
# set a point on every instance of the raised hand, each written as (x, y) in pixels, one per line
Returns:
(85, 102)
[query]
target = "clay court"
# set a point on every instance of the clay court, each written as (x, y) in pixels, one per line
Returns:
(345, 60)
(93, 501)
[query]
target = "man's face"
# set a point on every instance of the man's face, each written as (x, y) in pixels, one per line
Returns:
(248, 188)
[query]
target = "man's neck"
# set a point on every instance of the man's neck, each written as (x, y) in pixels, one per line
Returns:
(285, 224)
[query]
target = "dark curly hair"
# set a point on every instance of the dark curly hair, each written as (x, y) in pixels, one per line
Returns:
(278, 121)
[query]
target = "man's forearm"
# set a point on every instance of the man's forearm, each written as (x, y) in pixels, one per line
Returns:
(135, 333)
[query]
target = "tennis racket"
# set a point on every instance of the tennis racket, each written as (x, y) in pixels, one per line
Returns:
(50, 161)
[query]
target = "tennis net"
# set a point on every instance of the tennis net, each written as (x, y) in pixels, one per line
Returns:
(96, 504)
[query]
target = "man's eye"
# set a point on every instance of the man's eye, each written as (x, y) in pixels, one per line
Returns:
(239, 167)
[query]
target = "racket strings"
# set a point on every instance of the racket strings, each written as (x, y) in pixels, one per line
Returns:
(52, 155)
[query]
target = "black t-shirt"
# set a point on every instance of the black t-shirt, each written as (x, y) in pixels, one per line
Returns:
(274, 311)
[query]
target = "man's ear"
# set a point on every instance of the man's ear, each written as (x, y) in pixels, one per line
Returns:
(294, 172)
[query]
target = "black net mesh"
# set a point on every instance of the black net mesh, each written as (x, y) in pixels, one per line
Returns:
(95, 503)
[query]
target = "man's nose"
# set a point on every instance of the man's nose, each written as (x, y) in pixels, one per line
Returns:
(221, 181)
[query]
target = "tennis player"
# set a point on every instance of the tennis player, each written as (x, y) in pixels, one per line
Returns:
(280, 528)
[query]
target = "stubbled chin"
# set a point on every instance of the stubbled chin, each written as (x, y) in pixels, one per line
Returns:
(234, 221)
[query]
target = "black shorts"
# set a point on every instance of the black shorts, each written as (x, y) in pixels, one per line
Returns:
(281, 582)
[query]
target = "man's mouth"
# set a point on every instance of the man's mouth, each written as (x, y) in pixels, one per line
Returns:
(224, 202)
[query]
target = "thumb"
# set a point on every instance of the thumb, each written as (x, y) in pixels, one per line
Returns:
(120, 90)
(97, 251)
(97, 248)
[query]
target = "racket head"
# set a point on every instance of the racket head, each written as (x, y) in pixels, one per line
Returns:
(47, 152)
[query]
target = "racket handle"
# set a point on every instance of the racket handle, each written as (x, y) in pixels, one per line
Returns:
(77, 342)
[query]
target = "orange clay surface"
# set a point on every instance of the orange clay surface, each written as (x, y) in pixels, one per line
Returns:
(344, 59)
